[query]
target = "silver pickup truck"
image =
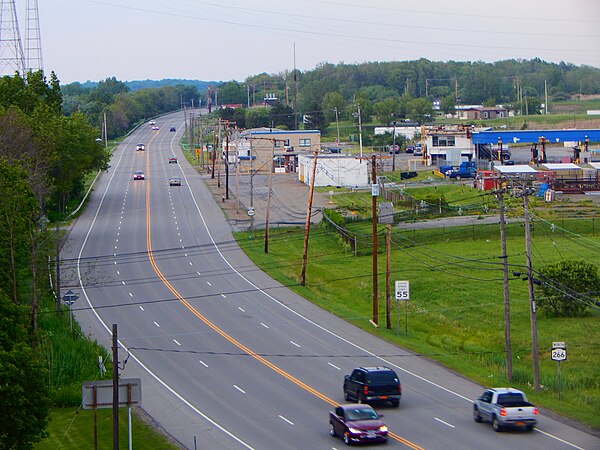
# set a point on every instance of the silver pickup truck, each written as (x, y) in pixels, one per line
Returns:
(505, 407)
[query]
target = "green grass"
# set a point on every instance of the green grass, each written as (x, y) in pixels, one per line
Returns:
(73, 429)
(456, 308)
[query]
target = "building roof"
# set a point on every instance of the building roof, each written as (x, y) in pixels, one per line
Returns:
(595, 165)
(516, 169)
(561, 166)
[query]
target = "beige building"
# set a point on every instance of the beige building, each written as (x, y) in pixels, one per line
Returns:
(276, 150)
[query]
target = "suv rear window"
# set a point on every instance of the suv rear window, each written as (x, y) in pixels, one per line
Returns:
(383, 377)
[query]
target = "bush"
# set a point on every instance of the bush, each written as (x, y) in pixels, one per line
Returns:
(568, 288)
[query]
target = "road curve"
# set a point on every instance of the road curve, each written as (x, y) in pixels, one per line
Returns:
(227, 356)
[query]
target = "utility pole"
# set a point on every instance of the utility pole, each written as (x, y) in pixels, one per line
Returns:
(360, 144)
(115, 399)
(271, 168)
(504, 256)
(337, 126)
(295, 91)
(374, 189)
(388, 270)
(58, 267)
(307, 224)
(394, 149)
(532, 309)
(227, 159)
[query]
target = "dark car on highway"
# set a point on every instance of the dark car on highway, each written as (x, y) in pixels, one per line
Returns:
(139, 175)
(357, 423)
(172, 129)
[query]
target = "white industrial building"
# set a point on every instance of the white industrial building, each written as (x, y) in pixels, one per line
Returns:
(334, 170)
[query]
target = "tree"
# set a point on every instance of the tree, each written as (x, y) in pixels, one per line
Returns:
(281, 115)
(386, 110)
(24, 393)
(567, 287)
(448, 104)
(333, 101)
(257, 117)
(314, 119)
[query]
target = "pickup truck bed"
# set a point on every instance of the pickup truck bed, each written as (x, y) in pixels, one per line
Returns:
(505, 407)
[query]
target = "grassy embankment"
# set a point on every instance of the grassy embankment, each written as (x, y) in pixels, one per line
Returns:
(456, 310)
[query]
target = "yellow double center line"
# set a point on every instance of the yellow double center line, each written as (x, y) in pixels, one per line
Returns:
(222, 333)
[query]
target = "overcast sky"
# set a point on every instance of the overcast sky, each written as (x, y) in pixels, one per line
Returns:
(233, 39)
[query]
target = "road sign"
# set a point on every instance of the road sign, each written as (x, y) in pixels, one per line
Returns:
(402, 290)
(70, 297)
(130, 393)
(558, 345)
(559, 354)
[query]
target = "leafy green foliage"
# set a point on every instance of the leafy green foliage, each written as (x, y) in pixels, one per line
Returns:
(24, 393)
(568, 287)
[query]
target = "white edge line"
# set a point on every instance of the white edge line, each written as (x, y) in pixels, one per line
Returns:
(269, 296)
(152, 374)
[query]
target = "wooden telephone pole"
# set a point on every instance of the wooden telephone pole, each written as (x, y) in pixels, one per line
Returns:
(374, 187)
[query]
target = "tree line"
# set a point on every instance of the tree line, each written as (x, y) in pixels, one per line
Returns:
(405, 90)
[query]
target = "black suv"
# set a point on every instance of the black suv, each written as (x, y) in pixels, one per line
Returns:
(367, 384)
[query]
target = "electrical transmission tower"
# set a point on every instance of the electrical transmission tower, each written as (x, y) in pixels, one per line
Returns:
(12, 58)
(33, 42)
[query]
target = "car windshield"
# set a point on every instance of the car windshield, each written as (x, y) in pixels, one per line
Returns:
(386, 377)
(361, 414)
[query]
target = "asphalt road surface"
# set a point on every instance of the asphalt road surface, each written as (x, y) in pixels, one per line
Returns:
(226, 355)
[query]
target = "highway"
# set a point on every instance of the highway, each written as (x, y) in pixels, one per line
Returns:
(227, 356)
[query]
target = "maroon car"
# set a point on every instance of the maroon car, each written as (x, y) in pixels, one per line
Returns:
(357, 422)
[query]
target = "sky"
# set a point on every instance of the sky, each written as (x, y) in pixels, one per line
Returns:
(222, 40)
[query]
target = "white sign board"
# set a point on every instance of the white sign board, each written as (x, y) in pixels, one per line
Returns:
(559, 354)
(402, 291)
(558, 345)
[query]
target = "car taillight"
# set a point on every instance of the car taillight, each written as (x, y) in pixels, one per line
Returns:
(503, 412)
(535, 411)
(365, 389)
(399, 389)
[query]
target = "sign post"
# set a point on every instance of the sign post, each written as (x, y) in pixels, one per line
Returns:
(558, 354)
(403, 294)
(69, 298)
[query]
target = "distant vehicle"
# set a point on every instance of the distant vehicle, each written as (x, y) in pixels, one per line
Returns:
(367, 384)
(152, 122)
(466, 169)
(140, 147)
(139, 175)
(356, 423)
(174, 181)
(410, 149)
(395, 148)
(155, 127)
(418, 149)
(172, 129)
(505, 407)
(172, 160)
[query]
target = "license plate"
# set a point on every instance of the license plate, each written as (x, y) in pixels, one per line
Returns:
(371, 434)
(520, 424)
(383, 397)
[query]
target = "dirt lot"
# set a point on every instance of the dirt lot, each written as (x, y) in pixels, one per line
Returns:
(288, 206)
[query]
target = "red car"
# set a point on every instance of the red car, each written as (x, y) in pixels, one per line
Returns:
(357, 422)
